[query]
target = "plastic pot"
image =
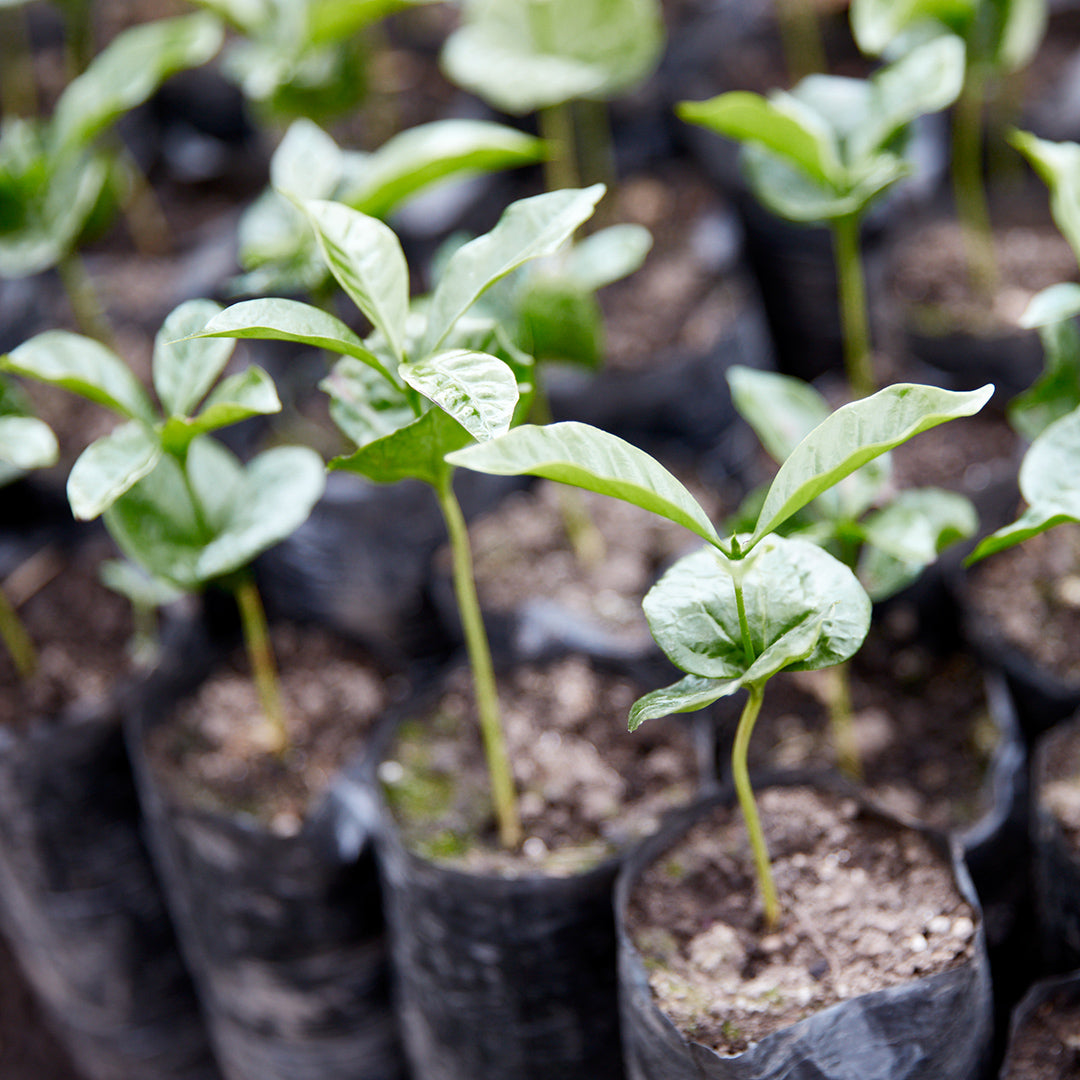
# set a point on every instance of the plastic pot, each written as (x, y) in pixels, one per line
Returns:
(283, 934)
(937, 1026)
(1042, 1037)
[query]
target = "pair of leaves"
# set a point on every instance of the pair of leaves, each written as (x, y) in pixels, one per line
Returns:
(808, 608)
(525, 55)
(821, 152)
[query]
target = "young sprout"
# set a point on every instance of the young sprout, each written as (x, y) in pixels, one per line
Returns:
(427, 380)
(1000, 37)
(737, 612)
(177, 501)
(823, 152)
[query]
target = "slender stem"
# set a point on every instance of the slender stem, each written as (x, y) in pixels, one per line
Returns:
(741, 775)
(561, 168)
(16, 640)
(744, 624)
(969, 191)
(854, 321)
(503, 795)
(143, 211)
(800, 37)
(85, 305)
(595, 151)
(841, 723)
(261, 656)
(18, 90)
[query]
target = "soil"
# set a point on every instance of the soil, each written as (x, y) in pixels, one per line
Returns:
(1029, 597)
(213, 751)
(1058, 778)
(1047, 1045)
(59, 597)
(586, 786)
(865, 905)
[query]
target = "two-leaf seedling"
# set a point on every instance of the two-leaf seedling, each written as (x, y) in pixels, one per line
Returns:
(744, 608)
(176, 500)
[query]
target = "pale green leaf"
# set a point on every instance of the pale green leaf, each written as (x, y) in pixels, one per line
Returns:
(133, 582)
(248, 393)
(363, 404)
(1057, 391)
(184, 367)
(366, 258)
(85, 367)
(690, 693)
(109, 466)
(528, 229)
(589, 458)
(607, 255)
(307, 163)
(1058, 163)
(1052, 305)
(1023, 30)
(215, 475)
(27, 443)
(478, 390)
(855, 434)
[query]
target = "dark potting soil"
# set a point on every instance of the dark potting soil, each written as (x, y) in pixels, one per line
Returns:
(1058, 778)
(1046, 1045)
(81, 629)
(1029, 597)
(212, 753)
(586, 785)
(864, 906)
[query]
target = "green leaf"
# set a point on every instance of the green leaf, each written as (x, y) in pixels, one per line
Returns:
(478, 390)
(419, 451)
(85, 367)
(855, 434)
(291, 320)
(109, 466)
(128, 71)
(1058, 163)
(184, 367)
(607, 255)
(804, 610)
(1057, 391)
(690, 693)
(136, 585)
(560, 321)
(876, 23)
(27, 443)
(528, 229)
(366, 258)
(589, 458)
(363, 404)
(1021, 33)
(1053, 305)
(521, 57)
(215, 475)
(278, 491)
(307, 163)
(240, 396)
(424, 155)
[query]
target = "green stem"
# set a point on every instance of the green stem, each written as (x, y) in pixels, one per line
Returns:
(18, 89)
(741, 775)
(744, 625)
(841, 721)
(261, 656)
(969, 191)
(596, 155)
(16, 640)
(800, 37)
(503, 795)
(561, 169)
(854, 321)
(89, 313)
(142, 209)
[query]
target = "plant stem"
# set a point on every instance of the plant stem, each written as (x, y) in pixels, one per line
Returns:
(744, 625)
(800, 37)
(16, 640)
(18, 89)
(261, 656)
(741, 775)
(854, 322)
(85, 305)
(841, 723)
(969, 191)
(503, 795)
(561, 169)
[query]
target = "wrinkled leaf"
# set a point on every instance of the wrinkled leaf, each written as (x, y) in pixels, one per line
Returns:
(855, 434)
(184, 370)
(587, 457)
(27, 443)
(478, 390)
(85, 367)
(109, 466)
(528, 229)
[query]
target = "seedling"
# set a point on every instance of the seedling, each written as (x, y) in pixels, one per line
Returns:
(425, 381)
(1000, 37)
(277, 247)
(887, 537)
(177, 501)
(823, 152)
(735, 613)
(54, 174)
(26, 443)
(562, 59)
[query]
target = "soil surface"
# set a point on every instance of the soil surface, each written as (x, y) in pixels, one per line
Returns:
(1058, 778)
(865, 905)
(586, 786)
(1047, 1045)
(213, 752)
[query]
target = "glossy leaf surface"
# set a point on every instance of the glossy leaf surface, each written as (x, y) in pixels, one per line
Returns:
(109, 466)
(184, 369)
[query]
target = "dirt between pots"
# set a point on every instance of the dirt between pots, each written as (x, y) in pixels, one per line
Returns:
(1047, 1046)
(1029, 596)
(1058, 778)
(586, 785)
(212, 752)
(59, 599)
(865, 905)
